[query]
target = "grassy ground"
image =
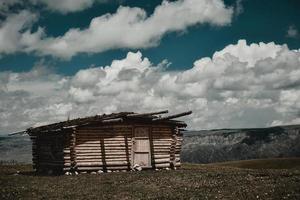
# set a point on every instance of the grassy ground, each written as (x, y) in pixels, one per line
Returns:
(212, 181)
(275, 163)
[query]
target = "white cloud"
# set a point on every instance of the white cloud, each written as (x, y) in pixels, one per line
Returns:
(130, 28)
(239, 9)
(242, 85)
(33, 97)
(81, 95)
(62, 6)
(65, 6)
(12, 35)
(292, 32)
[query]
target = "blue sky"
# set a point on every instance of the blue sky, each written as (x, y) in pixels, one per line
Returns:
(259, 21)
(235, 63)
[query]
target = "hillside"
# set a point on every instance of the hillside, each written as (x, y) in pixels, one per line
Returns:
(193, 181)
(241, 144)
(16, 148)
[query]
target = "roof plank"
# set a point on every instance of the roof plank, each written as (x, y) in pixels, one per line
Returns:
(173, 116)
(110, 118)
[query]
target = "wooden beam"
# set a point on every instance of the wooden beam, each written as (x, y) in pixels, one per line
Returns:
(148, 114)
(173, 116)
(111, 120)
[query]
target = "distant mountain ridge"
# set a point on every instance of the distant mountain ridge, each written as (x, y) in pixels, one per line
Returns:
(17, 148)
(219, 145)
(204, 146)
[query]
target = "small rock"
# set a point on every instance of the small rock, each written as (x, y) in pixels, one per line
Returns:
(109, 171)
(136, 167)
(93, 173)
(76, 173)
(67, 173)
(167, 168)
(99, 171)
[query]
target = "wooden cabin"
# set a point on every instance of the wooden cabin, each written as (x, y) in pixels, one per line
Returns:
(118, 141)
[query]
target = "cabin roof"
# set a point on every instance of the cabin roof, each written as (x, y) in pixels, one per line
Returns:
(153, 117)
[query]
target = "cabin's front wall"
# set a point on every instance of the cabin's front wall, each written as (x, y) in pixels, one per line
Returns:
(121, 147)
(103, 147)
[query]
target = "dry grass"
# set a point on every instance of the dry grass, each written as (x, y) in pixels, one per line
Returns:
(213, 181)
(274, 163)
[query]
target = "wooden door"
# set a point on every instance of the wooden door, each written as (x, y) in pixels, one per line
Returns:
(141, 147)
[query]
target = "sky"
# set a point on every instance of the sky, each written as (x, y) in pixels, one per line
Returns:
(234, 63)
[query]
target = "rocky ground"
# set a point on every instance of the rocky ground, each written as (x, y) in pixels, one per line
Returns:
(192, 181)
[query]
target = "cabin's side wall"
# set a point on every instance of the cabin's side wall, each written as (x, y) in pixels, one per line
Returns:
(179, 139)
(103, 147)
(48, 151)
(33, 138)
(67, 148)
(162, 144)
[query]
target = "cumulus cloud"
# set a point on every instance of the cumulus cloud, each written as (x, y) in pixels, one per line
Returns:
(65, 6)
(292, 32)
(242, 85)
(130, 28)
(15, 33)
(62, 6)
(33, 97)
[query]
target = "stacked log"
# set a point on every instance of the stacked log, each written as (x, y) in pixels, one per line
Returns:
(33, 139)
(173, 148)
(103, 148)
(162, 143)
(67, 149)
(48, 152)
(179, 139)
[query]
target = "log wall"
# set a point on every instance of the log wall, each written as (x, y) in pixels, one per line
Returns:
(179, 139)
(92, 148)
(33, 139)
(166, 147)
(50, 151)
(103, 148)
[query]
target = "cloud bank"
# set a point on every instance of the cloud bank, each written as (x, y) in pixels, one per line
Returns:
(61, 6)
(242, 85)
(65, 6)
(127, 28)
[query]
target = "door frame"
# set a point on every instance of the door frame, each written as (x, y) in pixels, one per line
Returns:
(133, 146)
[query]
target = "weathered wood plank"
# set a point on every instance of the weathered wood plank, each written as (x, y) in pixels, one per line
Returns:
(108, 163)
(98, 152)
(162, 165)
